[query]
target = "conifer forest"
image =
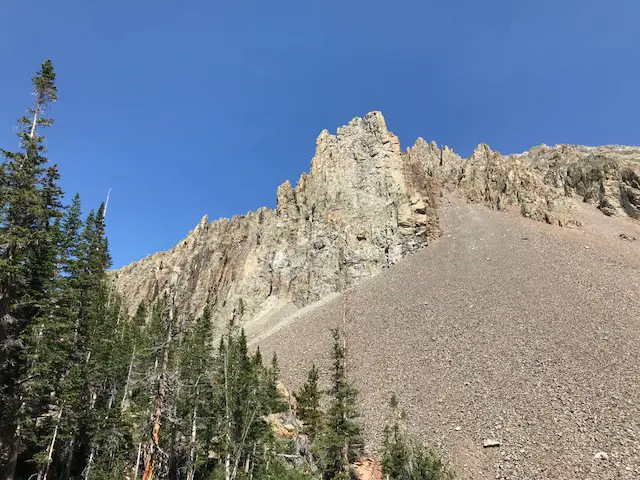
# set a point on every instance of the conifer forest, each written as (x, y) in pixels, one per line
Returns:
(88, 392)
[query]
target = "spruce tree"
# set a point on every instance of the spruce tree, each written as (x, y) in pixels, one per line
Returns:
(163, 332)
(341, 442)
(30, 210)
(395, 450)
(194, 406)
(308, 399)
(402, 457)
(244, 396)
(104, 346)
(271, 397)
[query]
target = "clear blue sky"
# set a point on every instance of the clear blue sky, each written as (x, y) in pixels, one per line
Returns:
(192, 107)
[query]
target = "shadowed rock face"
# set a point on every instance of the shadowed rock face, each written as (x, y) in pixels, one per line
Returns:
(363, 206)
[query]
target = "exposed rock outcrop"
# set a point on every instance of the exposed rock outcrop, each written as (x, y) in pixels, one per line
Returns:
(541, 181)
(360, 209)
(364, 205)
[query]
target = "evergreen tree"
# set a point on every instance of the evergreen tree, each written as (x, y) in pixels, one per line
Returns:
(405, 459)
(158, 391)
(341, 442)
(87, 392)
(271, 397)
(308, 399)
(395, 449)
(194, 403)
(242, 436)
(30, 210)
(104, 347)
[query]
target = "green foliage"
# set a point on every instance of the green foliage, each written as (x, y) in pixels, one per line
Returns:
(280, 471)
(341, 441)
(242, 381)
(33, 337)
(405, 459)
(308, 399)
(272, 398)
(84, 387)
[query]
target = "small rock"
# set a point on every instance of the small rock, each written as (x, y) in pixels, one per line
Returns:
(587, 247)
(629, 238)
(458, 428)
(601, 456)
(491, 442)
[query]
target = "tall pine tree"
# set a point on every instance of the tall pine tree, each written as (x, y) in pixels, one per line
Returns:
(341, 442)
(30, 209)
(308, 399)
(402, 457)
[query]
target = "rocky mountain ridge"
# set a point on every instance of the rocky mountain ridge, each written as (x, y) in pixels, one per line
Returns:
(364, 205)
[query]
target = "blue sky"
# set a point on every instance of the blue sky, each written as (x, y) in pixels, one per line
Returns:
(193, 107)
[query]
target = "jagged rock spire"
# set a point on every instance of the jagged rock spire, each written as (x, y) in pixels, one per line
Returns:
(364, 205)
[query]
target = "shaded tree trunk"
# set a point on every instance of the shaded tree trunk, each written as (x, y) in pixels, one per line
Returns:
(45, 469)
(154, 448)
(67, 468)
(14, 451)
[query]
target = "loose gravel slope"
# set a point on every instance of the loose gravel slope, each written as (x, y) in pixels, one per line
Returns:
(504, 329)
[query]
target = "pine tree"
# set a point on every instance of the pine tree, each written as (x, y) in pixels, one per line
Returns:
(104, 346)
(30, 210)
(243, 438)
(341, 442)
(405, 459)
(163, 323)
(194, 404)
(308, 399)
(271, 397)
(394, 446)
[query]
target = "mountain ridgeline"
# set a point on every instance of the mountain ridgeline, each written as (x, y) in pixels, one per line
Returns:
(365, 205)
(148, 372)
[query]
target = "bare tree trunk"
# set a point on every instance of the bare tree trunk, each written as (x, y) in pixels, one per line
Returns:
(34, 123)
(242, 439)
(192, 451)
(89, 462)
(45, 470)
(152, 459)
(135, 475)
(123, 403)
(247, 463)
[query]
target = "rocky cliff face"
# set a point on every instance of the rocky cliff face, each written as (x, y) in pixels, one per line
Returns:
(364, 205)
(360, 209)
(544, 180)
